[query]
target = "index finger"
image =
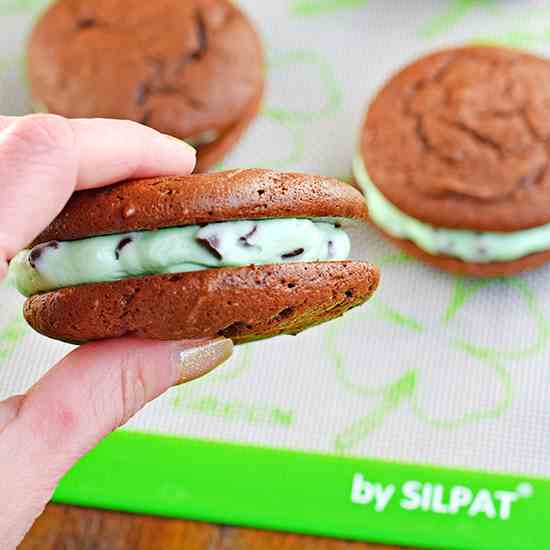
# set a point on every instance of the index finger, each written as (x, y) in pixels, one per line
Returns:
(112, 150)
(45, 158)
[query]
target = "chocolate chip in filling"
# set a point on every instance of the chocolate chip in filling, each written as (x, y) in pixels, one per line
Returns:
(37, 252)
(211, 244)
(244, 239)
(293, 254)
(124, 242)
(330, 249)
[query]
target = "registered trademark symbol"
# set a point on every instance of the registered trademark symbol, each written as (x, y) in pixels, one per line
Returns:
(524, 490)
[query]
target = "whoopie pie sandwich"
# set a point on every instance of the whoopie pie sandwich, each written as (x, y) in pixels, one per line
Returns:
(454, 160)
(193, 69)
(247, 254)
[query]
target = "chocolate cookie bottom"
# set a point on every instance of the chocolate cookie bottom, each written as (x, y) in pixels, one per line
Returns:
(245, 304)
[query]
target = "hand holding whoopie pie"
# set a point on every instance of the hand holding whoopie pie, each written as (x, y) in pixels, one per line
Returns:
(161, 271)
(99, 386)
(246, 254)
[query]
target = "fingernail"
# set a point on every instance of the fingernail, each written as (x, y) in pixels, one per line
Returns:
(197, 361)
(182, 143)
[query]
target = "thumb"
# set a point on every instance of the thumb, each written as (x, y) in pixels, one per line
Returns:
(92, 391)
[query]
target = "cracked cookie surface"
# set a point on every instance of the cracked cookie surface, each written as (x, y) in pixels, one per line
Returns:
(192, 69)
(460, 139)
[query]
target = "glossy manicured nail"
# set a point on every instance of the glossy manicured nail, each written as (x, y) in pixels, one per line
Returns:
(197, 361)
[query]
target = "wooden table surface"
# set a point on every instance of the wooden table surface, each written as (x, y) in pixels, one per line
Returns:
(70, 528)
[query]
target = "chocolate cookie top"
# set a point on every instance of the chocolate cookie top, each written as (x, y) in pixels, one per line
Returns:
(184, 67)
(170, 201)
(460, 139)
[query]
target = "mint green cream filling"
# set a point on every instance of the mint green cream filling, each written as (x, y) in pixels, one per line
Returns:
(469, 246)
(59, 264)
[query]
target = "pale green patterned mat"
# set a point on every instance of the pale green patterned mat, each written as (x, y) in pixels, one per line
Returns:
(436, 370)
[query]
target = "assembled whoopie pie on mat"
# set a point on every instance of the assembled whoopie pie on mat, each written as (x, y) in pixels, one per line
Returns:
(189, 68)
(246, 254)
(453, 160)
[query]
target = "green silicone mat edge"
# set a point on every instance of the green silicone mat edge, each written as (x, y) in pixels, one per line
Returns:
(311, 493)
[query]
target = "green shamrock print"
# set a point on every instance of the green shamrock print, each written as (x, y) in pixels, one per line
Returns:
(430, 385)
(295, 120)
(13, 329)
(531, 30)
(240, 364)
(314, 7)
(452, 15)
(219, 395)
(11, 335)
(318, 68)
(295, 138)
(516, 39)
(464, 290)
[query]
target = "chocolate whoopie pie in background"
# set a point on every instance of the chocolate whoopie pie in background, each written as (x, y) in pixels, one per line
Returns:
(246, 254)
(453, 160)
(189, 68)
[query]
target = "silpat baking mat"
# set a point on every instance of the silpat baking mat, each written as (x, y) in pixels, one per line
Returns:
(421, 418)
